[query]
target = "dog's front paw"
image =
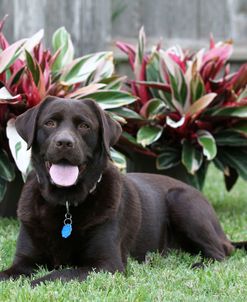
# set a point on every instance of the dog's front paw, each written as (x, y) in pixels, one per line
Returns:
(198, 265)
(37, 282)
(4, 276)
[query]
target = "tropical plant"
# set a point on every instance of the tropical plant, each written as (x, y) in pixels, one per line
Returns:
(190, 109)
(29, 72)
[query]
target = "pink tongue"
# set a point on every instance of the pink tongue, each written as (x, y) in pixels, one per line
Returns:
(64, 175)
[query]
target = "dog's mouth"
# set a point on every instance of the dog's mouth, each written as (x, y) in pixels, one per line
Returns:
(64, 174)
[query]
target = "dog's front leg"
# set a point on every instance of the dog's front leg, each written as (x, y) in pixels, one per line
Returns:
(23, 267)
(26, 259)
(80, 273)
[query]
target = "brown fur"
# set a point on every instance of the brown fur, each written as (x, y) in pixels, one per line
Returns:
(126, 215)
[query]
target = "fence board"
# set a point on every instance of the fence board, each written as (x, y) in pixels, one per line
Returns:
(238, 18)
(89, 22)
(28, 17)
(7, 7)
(92, 28)
(154, 15)
(213, 18)
(183, 18)
(128, 22)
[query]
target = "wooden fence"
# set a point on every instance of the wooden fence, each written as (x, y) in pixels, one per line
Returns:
(96, 24)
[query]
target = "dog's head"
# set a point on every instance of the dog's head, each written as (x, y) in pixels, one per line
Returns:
(70, 141)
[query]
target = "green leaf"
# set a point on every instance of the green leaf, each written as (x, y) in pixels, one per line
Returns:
(104, 70)
(153, 69)
(31, 64)
(127, 113)
(153, 75)
(230, 138)
(231, 111)
(235, 158)
(179, 85)
(119, 159)
(197, 87)
(241, 127)
(74, 73)
(109, 99)
(230, 174)
(10, 54)
(113, 83)
(207, 141)
(219, 165)
(140, 52)
(191, 157)
(198, 179)
(7, 171)
(242, 96)
(169, 158)
(116, 117)
(82, 68)
(231, 178)
(146, 135)
(3, 188)
(196, 108)
(130, 138)
(61, 41)
(154, 107)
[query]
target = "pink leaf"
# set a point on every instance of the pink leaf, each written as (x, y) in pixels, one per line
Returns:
(129, 50)
(85, 90)
(239, 80)
(8, 54)
(157, 85)
(30, 90)
(3, 42)
(211, 41)
(143, 91)
(197, 107)
(176, 59)
(221, 51)
(41, 84)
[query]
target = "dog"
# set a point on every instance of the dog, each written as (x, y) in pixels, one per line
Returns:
(77, 210)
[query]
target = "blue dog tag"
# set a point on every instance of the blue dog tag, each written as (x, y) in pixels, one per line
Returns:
(66, 230)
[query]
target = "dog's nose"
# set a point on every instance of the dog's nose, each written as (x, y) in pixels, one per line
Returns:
(64, 143)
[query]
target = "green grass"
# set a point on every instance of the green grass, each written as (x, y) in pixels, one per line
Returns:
(160, 279)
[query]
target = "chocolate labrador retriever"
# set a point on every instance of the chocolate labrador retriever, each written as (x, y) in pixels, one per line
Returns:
(77, 210)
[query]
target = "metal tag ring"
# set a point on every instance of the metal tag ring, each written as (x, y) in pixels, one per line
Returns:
(67, 221)
(68, 216)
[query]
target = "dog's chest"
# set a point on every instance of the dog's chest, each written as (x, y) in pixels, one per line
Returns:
(46, 232)
(45, 223)
(58, 250)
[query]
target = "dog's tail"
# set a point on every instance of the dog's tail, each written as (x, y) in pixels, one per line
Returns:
(240, 245)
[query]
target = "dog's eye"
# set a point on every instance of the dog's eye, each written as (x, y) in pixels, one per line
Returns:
(50, 124)
(83, 125)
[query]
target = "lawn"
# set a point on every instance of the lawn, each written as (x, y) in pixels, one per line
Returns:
(160, 279)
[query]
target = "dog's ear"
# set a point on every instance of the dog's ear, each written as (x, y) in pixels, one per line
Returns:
(110, 129)
(26, 123)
